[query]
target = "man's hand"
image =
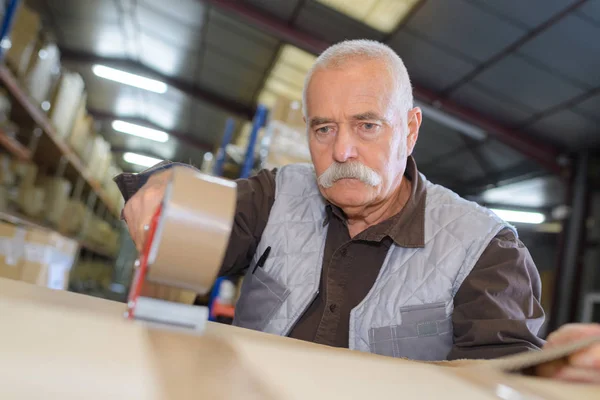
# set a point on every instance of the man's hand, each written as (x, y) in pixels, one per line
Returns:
(139, 209)
(583, 366)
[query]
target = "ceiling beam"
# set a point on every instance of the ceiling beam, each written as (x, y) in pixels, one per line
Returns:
(518, 173)
(184, 137)
(231, 106)
(546, 155)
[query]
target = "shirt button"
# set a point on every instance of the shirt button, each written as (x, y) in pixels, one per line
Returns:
(332, 307)
(344, 252)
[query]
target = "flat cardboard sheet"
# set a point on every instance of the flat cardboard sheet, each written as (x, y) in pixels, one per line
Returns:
(60, 345)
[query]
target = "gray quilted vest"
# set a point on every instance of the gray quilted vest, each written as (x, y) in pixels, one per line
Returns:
(408, 311)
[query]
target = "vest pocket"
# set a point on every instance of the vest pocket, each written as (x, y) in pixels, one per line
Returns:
(425, 333)
(261, 297)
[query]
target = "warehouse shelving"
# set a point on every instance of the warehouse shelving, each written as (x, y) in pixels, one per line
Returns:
(14, 147)
(17, 219)
(55, 149)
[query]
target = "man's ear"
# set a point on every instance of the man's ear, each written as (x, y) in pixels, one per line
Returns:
(415, 117)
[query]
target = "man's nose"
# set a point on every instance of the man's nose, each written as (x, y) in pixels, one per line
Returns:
(344, 147)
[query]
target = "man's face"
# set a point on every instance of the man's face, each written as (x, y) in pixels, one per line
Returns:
(353, 118)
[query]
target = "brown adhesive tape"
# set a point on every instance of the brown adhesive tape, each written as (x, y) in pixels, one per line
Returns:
(193, 230)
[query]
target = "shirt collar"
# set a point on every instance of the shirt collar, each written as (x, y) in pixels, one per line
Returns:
(407, 228)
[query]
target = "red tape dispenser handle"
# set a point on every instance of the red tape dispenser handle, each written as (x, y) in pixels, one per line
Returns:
(142, 265)
(156, 311)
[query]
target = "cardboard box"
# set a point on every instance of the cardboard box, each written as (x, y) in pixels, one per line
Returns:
(23, 36)
(11, 249)
(57, 191)
(82, 130)
(43, 71)
(25, 173)
(100, 159)
(48, 258)
(31, 201)
(7, 174)
(68, 97)
(88, 338)
(71, 222)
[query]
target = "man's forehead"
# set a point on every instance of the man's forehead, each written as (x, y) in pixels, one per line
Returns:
(354, 89)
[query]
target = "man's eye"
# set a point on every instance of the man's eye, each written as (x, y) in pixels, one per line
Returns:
(324, 130)
(369, 127)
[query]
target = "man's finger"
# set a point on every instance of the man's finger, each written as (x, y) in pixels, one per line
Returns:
(588, 358)
(574, 374)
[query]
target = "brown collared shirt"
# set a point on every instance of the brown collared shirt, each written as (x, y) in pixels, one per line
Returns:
(497, 309)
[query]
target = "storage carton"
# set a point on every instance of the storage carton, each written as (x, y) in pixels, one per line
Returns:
(48, 258)
(57, 192)
(82, 130)
(72, 218)
(43, 71)
(11, 249)
(68, 97)
(23, 37)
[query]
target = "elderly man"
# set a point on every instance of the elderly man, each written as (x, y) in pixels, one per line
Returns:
(368, 254)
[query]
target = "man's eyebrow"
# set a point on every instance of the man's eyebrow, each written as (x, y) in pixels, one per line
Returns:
(368, 116)
(314, 121)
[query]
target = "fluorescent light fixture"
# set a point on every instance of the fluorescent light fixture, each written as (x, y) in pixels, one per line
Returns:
(129, 79)
(383, 15)
(523, 217)
(452, 122)
(138, 159)
(140, 131)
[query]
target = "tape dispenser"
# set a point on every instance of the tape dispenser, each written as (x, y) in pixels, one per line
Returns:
(185, 245)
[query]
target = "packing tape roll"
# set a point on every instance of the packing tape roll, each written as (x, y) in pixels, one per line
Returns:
(193, 231)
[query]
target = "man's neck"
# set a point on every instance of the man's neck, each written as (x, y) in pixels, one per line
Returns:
(365, 217)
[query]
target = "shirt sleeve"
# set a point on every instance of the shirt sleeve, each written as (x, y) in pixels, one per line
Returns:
(130, 183)
(497, 310)
(255, 198)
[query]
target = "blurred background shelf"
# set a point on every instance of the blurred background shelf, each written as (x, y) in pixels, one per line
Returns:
(53, 147)
(21, 220)
(14, 147)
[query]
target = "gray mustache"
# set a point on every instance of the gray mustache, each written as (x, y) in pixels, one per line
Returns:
(348, 170)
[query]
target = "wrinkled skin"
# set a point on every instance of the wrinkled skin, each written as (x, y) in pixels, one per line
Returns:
(353, 114)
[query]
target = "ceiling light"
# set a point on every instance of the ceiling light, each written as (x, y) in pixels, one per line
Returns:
(524, 217)
(129, 79)
(140, 131)
(383, 15)
(144, 161)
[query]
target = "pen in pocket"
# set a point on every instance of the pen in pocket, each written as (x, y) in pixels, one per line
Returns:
(261, 261)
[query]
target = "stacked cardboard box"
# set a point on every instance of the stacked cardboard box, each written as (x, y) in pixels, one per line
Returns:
(65, 103)
(11, 249)
(23, 38)
(82, 131)
(73, 217)
(57, 192)
(43, 72)
(7, 180)
(35, 255)
(29, 198)
(100, 159)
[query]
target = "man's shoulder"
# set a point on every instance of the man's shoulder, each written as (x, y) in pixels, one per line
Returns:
(297, 180)
(447, 204)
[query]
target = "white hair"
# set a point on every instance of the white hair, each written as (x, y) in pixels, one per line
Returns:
(348, 51)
